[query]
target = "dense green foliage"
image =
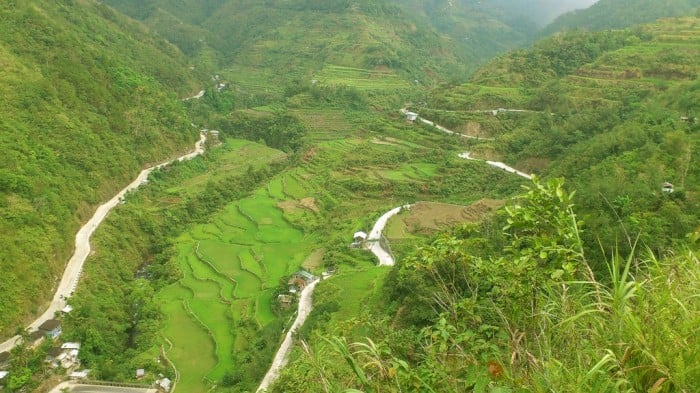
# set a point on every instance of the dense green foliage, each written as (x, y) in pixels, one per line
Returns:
(88, 98)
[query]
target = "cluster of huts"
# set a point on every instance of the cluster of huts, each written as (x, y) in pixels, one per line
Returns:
(64, 356)
(296, 283)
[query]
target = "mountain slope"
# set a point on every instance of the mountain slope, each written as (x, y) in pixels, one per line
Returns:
(616, 112)
(89, 98)
(428, 41)
(616, 14)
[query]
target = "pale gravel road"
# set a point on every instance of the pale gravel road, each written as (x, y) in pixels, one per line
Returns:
(280, 360)
(497, 164)
(385, 259)
(71, 274)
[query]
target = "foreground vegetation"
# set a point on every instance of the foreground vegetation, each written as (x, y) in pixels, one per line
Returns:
(517, 310)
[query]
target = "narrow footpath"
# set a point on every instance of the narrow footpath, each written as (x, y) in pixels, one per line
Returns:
(71, 274)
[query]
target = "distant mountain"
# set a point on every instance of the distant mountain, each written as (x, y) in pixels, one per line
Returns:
(615, 14)
(418, 39)
(89, 97)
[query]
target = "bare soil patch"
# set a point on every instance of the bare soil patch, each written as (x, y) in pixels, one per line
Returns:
(430, 217)
(305, 203)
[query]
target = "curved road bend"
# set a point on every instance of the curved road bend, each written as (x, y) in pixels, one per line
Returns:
(82, 246)
(445, 130)
(385, 258)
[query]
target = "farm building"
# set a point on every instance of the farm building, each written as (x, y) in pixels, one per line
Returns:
(79, 374)
(164, 384)
(70, 346)
(51, 328)
(284, 300)
(411, 116)
(299, 280)
(359, 237)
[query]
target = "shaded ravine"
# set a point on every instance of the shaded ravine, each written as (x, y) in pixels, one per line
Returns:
(71, 274)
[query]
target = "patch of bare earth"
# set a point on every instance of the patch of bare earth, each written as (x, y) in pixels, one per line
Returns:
(314, 260)
(430, 217)
(305, 203)
(473, 128)
(309, 203)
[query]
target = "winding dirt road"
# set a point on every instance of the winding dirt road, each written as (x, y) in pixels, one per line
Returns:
(497, 164)
(71, 274)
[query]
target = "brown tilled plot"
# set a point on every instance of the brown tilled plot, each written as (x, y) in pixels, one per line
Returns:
(429, 217)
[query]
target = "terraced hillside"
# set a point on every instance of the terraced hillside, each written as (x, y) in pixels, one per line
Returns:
(607, 107)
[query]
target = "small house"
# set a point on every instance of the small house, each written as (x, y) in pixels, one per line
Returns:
(3, 374)
(359, 237)
(4, 360)
(304, 275)
(51, 328)
(667, 187)
(70, 346)
(411, 116)
(296, 284)
(164, 384)
(53, 356)
(68, 308)
(299, 280)
(284, 300)
(140, 373)
(79, 374)
(36, 338)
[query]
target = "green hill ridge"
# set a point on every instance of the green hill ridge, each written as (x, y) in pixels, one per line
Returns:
(89, 99)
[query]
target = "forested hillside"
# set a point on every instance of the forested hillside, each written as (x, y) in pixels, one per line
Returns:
(617, 14)
(88, 99)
